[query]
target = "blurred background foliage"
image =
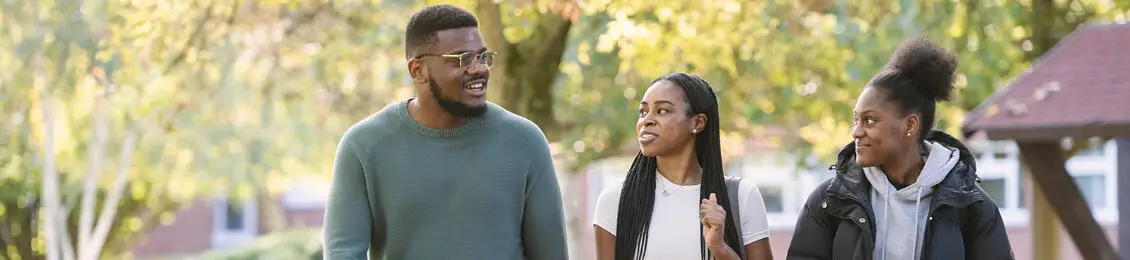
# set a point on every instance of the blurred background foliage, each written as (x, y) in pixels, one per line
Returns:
(241, 97)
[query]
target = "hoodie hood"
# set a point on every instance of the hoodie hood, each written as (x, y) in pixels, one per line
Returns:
(938, 163)
(956, 189)
(901, 214)
(845, 158)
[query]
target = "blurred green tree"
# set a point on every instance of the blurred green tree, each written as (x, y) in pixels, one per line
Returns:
(150, 104)
(788, 72)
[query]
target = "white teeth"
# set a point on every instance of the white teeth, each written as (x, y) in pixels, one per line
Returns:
(476, 86)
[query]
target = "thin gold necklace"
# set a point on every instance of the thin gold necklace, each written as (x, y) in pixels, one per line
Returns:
(666, 191)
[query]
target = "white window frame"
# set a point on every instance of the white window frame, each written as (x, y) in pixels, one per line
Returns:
(222, 237)
(774, 170)
(1008, 168)
(1107, 166)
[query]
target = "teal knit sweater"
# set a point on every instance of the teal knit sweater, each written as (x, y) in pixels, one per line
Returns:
(483, 190)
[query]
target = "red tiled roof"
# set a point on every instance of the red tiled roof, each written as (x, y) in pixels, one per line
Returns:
(1080, 88)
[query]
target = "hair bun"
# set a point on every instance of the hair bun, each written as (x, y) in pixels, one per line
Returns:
(929, 67)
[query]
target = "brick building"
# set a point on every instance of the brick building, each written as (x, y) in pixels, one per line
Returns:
(217, 223)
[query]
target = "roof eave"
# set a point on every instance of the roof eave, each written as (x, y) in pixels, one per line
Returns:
(970, 124)
(1056, 133)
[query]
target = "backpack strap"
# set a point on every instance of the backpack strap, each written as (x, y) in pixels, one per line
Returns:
(732, 183)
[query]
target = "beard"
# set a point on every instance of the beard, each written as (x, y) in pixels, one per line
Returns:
(454, 107)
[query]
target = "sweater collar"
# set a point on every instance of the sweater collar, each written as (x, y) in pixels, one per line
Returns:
(472, 125)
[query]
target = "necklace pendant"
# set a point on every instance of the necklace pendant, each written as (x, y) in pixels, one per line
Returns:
(666, 193)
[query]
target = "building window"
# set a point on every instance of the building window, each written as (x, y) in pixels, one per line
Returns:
(1096, 151)
(1093, 188)
(1021, 203)
(1005, 181)
(995, 188)
(774, 199)
(234, 221)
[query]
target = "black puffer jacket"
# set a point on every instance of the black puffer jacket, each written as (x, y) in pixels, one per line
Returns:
(837, 221)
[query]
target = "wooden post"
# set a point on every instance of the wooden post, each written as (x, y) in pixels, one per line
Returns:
(1123, 152)
(1045, 225)
(1046, 161)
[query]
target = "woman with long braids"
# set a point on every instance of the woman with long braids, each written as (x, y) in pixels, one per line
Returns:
(676, 203)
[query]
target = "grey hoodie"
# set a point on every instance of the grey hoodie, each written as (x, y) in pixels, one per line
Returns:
(901, 215)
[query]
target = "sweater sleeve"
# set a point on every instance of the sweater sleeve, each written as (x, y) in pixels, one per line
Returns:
(543, 224)
(348, 218)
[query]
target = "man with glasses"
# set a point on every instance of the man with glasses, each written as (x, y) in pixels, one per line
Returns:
(445, 175)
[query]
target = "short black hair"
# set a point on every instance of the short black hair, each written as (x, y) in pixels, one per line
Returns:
(424, 25)
(637, 197)
(918, 75)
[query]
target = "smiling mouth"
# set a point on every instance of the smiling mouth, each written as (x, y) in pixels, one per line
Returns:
(479, 83)
(476, 88)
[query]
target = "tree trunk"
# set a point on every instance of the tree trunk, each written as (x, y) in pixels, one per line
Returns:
(1050, 25)
(65, 237)
(271, 214)
(100, 126)
(528, 68)
(50, 177)
(490, 24)
(110, 204)
(1043, 17)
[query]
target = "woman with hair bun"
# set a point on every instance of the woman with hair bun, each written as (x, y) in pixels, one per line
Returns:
(902, 190)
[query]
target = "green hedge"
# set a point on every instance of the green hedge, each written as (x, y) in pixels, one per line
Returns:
(300, 244)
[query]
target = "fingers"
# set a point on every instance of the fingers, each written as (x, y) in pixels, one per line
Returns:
(714, 227)
(710, 204)
(711, 214)
(709, 224)
(705, 217)
(714, 218)
(707, 209)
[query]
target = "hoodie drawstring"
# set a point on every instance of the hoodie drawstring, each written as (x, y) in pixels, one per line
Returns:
(886, 233)
(917, 203)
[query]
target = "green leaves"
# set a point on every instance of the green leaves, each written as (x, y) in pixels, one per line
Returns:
(793, 65)
(228, 96)
(220, 91)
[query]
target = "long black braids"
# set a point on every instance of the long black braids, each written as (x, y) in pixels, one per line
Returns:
(637, 198)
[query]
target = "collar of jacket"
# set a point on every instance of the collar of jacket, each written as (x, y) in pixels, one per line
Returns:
(958, 189)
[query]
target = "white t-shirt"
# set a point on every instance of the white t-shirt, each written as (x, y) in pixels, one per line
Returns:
(674, 230)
